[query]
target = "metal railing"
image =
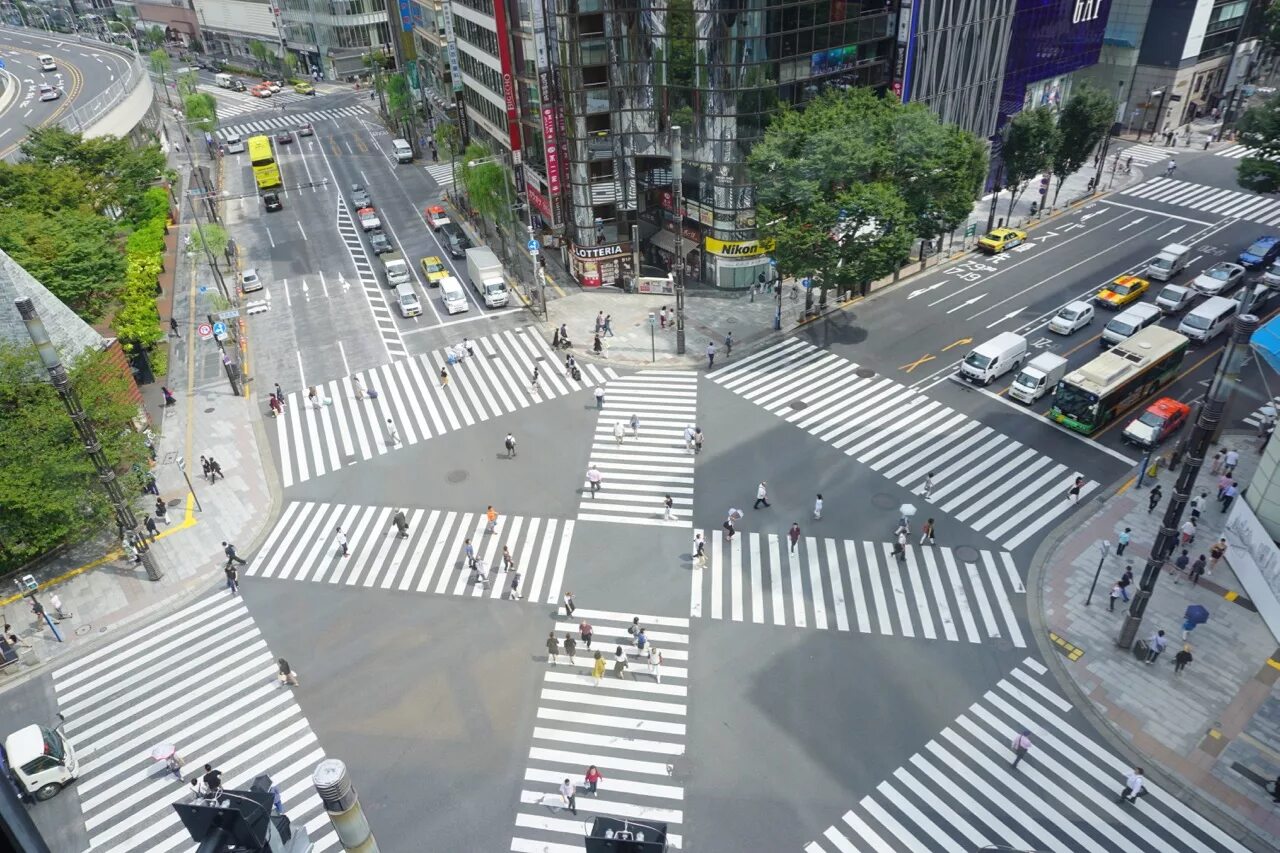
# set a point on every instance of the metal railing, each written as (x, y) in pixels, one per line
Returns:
(83, 116)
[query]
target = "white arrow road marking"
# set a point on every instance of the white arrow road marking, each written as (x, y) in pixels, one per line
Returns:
(1008, 316)
(1131, 224)
(967, 303)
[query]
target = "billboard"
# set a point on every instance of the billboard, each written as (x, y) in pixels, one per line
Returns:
(508, 81)
(1050, 38)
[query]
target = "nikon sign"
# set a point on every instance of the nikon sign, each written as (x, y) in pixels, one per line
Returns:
(743, 249)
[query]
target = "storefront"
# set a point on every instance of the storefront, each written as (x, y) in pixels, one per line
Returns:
(736, 265)
(609, 265)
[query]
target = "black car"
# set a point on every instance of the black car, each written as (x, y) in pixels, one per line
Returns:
(271, 200)
(380, 242)
(454, 240)
(284, 137)
(360, 196)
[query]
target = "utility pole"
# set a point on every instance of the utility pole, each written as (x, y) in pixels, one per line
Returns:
(677, 192)
(1230, 363)
(125, 519)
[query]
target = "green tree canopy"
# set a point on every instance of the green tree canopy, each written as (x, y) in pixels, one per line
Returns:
(160, 62)
(55, 495)
(202, 110)
(486, 184)
(72, 252)
(1030, 141)
(399, 100)
(260, 52)
(1259, 129)
(1084, 121)
(1271, 26)
(116, 171)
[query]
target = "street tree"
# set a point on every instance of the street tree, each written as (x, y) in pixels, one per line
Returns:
(400, 104)
(72, 252)
(201, 110)
(161, 65)
(1084, 121)
(187, 83)
(291, 63)
(1030, 140)
(261, 53)
(1259, 129)
(447, 145)
(1271, 27)
(937, 169)
(51, 492)
(487, 185)
(211, 236)
(153, 36)
(116, 172)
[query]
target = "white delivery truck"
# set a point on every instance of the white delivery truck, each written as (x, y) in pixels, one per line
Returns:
(1038, 378)
(40, 760)
(224, 81)
(397, 269)
(485, 273)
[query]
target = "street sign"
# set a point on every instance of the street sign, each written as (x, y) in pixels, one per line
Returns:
(205, 331)
(1, 63)
(971, 230)
(219, 328)
(534, 246)
(229, 315)
(204, 288)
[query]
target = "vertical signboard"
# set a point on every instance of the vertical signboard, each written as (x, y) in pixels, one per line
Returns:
(455, 73)
(546, 97)
(508, 74)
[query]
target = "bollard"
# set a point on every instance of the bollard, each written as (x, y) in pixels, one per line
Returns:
(343, 805)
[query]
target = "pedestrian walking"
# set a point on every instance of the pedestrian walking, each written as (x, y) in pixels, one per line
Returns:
(635, 425)
(515, 586)
(342, 542)
(215, 470)
(173, 327)
(1125, 580)
(688, 438)
(654, 658)
(1153, 499)
(592, 779)
(233, 578)
(491, 520)
(618, 433)
(508, 562)
(711, 355)
(357, 387)
(599, 322)
(1181, 659)
(697, 440)
(205, 468)
(662, 318)
(1188, 531)
(608, 325)
(729, 529)
(1134, 787)
(1156, 645)
(667, 504)
(1116, 591)
(1181, 564)
(510, 444)
(150, 524)
(401, 523)
(1216, 467)
(444, 377)
(279, 394)
(900, 544)
(313, 397)
(1073, 494)
(285, 673)
(162, 511)
(1021, 743)
(597, 669)
(926, 533)
(533, 380)
(794, 535)
(169, 399)
(927, 489)
(593, 479)
(232, 556)
(1197, 569)
(553, 647)
(570, 646)
(1216, 553)
(1229, 461)
(699, 550)
(1223, 482)
(1122, 541)
(599, 396)
(393, 435)
(569, 605)
(570, 794)
(585, 633)
(634, 629)
(1170, 168)
(620, 663)
(762, 495)
(1229, 494)
(1197, 504)
(817, 507)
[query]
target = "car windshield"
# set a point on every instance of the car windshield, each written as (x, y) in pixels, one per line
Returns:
(1151, 419)
(1259, 248)
(1195, 321)
(432, 268)
(1162, 263)
(978, 360)
(1122, 289)
(52, 743)
(1076, 403)
(1024, 379)
(1172, 294)
(1120, 327)
(1220, 273)
(1069, 314)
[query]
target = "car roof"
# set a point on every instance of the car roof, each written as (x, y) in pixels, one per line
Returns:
(1269, 239)
(1128, 279)
(23, 745)
(251, 271)
(1167, 406)
(433, 259)
(1078, 304)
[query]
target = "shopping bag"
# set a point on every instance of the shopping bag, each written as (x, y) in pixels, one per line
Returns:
(373, 395)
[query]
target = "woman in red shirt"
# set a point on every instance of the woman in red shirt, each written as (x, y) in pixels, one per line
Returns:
(593, 778)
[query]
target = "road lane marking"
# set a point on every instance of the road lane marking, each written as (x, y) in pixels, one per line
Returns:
(1156, 212)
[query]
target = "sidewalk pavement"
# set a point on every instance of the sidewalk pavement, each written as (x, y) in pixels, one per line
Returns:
(103, 591)
(1214, 730)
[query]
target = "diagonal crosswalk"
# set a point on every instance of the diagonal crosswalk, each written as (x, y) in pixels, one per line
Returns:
(632, 729)
(996, 485)
(204, 681)
(316, 439)
(286, 121)
(640, 470)
(1236, 204)
(303, 546)
(931, 592)
(959, 793)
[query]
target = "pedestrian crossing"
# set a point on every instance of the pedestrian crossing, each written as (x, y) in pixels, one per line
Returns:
(1256, 417)
(203, 681)
(1236, 204)
(303, 546)
(441, 173)
(995, 484)
(633, 729)
(959, 793)
(287, 121)
(342, 429)
(1239, 152)
(640, 468)
(931, 593)
(241, 103)
(1144, 155)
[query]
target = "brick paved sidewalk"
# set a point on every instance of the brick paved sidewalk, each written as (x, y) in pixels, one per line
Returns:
(1215, 729)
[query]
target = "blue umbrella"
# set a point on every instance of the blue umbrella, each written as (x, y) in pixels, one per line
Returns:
(1197, 614)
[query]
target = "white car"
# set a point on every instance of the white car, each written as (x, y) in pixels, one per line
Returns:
(1218, 278)
(49, 93)
(368, 218)
(250, 280)
(1172, 298)
(1073, 316)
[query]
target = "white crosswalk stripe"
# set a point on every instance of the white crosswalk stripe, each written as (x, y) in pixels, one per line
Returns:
(287, 121)
(996, 485)
(639, 471)
(631, 728)
(823, 583)
(303, 546)
(441, 173)
(1256, 417)
(1236, 204)
(204, 681)
(1239, 152)
(314, 440)
(959, 793)
(1145, 155)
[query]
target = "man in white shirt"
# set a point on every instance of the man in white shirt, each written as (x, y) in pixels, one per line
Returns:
(570, 794)
(1230, 461)
(1134, 786)
(762, 495)
(593, 477)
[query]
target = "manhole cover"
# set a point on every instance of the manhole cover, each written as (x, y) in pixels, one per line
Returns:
(83, 629)
(967, 554)
(456, 476)
(864, 373)
(799, 404)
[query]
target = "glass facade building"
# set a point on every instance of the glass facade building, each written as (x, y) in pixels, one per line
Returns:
(627, 71)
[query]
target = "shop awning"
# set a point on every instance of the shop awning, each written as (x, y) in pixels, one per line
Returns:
(1266, 343)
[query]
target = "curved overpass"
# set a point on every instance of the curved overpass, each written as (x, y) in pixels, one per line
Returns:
(104, 88)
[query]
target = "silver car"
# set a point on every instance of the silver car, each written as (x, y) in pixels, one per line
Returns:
(250, 280)
(1218, 278)
(1074, 315)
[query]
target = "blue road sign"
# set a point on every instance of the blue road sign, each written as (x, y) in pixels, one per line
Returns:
(1, 63)
(219, 328)
(204, 288)
(534, 246)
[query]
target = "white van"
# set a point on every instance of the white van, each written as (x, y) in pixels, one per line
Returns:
(404, 151)
(453, 296)
(223, 80)
(407, 300)
(990, 360)
(41, 760)
(1171, 261)
(235, 144)
(1132, 319)
(1038, 378)
(1209, 319)
(47, 63)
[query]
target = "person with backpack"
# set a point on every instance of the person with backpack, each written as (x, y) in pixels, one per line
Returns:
(510, 444)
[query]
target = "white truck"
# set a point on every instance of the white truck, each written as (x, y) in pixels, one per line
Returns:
(1038, 378)
(397, 269)
(40, 760)
(485, 273)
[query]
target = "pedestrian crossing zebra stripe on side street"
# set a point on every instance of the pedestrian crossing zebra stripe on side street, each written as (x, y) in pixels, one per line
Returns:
(904, 435)
(632, 729)
(204, 681)
(1257, 416)
(1239, 152)
(303, 546)
(1061, 797)
(1234, 204)
(639, 471)
(441, 173)
(930, 593)
(287, 121)
(344, 430)
(1144, 155)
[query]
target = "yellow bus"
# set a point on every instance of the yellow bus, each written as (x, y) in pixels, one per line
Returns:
(263, 159)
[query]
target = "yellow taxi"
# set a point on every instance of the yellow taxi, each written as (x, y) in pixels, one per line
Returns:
(434, 269)
(999, 239)
(302, 87)
(1122, 291)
